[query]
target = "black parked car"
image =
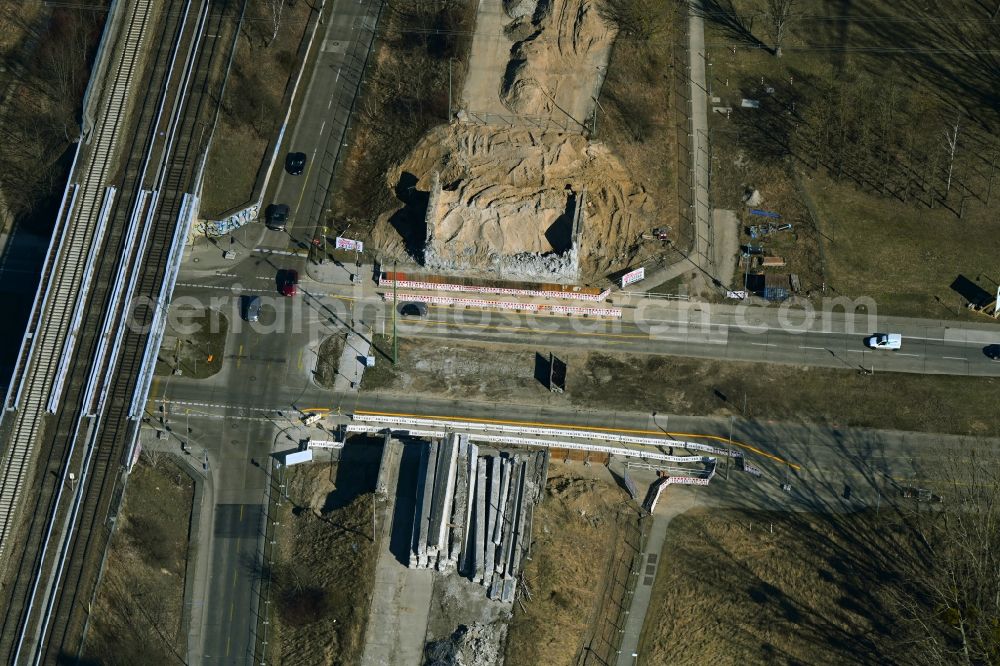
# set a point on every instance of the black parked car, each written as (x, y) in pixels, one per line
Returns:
(295, 163)
(413, 309)
(276, 217)
(992, 352)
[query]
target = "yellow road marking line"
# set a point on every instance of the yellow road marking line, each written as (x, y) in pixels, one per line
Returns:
(305, 181)
(300, 359)
(633, 431)
(315, 409)
(522, 329)
(239, 356)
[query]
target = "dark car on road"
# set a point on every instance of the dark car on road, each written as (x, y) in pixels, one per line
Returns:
(295, 163)
(288, 282)
(413, 309)
(276, 216)
(251, 307)
(992, 352)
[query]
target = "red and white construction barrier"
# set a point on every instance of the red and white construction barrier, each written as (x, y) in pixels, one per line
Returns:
(660, 484)
(540, 308)
(503, 291)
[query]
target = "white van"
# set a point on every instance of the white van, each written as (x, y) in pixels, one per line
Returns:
(891, 341)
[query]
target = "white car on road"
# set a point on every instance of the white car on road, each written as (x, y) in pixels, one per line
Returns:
(891, 341)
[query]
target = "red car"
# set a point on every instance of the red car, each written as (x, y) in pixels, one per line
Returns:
(288, 282)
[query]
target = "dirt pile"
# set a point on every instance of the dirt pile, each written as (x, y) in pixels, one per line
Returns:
(509, 192)
(478, 644)
(555, 42)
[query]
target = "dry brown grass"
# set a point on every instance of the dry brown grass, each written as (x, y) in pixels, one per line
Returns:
(888, 227)
(675, 385)
(325, 565)
(198, 348)
(405, 95)
(137, 615)
(579, 514)
(328, 360)
(637, 118)
(904, 258)
(252, 110)
(741, 587)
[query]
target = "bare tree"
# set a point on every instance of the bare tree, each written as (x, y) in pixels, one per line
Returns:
(275, 9)
(954, 594)
(779, 15)
(951, 145)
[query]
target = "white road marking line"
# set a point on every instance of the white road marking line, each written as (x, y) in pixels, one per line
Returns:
(856, 351)
(817, 348)
(764, 344)
(902, 354)
(322, 127)
(953, 358)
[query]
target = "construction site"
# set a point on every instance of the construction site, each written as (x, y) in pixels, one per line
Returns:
(456, 514)
(516, 186)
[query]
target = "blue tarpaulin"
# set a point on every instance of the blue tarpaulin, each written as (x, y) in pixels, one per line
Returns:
(764, 213)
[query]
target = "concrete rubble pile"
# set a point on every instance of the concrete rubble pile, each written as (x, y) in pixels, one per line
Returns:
(473, 512)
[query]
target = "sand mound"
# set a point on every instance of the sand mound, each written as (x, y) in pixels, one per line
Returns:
(507, 192)
(543, 75)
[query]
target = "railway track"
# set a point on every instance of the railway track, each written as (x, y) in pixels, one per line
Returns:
(66, 534)
(36, 369)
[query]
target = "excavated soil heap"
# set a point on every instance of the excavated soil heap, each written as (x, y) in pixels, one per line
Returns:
(558, 47)
(504, 191)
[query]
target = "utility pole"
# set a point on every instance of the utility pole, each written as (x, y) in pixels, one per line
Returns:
(449, 90)
(729, 457)
(395, 338)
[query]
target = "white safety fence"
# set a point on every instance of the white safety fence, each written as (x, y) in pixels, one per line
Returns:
(528, 441)
(656, 490)
(513, 306)
(551, 432)
(503, 291)
(69, 344)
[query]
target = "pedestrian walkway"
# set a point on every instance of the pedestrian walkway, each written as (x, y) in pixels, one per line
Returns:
(643, 590)
(352, 360)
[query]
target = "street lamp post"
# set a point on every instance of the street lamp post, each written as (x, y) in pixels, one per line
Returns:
(395, 338)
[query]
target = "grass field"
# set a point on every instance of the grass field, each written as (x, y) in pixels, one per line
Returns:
(194, 343)
(329, 359)
(637, 116)
(405, 95)
(137, 615)
(946, 404)
(251, 106)
(898, 583)
(325, 564)
(905, 262)
(579, 513)
(861, 105)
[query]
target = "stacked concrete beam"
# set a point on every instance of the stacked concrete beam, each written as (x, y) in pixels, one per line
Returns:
(514, 563)
(465, 501)
(444, 494)
(458, 526)
(477, 556)
(423, 553)
(494, 481)
(417, 544)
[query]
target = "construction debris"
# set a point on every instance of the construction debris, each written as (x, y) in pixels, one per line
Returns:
(473, 513)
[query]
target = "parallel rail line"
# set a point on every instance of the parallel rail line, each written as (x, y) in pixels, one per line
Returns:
(101, 378)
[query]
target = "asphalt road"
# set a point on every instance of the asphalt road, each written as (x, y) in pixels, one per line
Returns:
(754, 334)
(257, 364)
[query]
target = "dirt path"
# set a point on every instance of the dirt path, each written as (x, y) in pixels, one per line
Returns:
(674, 502)
(539, 66)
